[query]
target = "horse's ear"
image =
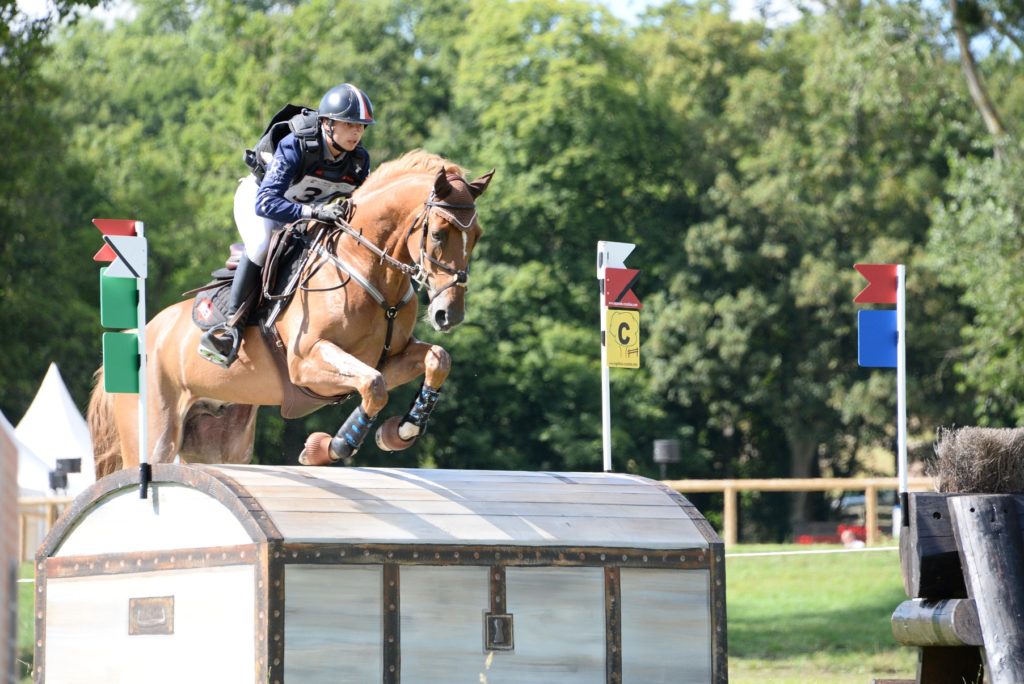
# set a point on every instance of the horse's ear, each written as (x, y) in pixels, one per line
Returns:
(477, 187)
(442, 186)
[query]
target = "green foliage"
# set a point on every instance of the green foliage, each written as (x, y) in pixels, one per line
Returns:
(977, 247)
(752, 166)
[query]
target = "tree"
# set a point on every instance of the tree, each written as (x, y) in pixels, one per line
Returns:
(834, 135)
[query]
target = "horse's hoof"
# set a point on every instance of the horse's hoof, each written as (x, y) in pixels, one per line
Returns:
(387, 436)
(317, 451)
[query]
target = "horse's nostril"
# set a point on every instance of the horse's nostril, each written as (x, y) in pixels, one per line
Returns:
(441, 318)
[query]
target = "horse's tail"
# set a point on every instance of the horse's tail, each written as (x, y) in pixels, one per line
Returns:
(106, 444)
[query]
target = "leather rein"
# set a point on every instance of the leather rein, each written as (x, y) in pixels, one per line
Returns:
(416, 272)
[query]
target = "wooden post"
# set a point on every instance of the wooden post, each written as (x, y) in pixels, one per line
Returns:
(992, 556)
(729, 521)
(871, 514)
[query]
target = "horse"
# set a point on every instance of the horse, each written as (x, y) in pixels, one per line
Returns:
(348, 329)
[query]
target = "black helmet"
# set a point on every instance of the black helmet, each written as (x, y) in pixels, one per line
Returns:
(346, 103)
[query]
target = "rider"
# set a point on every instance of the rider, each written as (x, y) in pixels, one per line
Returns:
(296, 186)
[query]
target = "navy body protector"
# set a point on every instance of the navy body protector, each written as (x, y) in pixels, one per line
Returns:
(301, 121)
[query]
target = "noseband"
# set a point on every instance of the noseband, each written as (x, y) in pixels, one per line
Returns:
(459, 278)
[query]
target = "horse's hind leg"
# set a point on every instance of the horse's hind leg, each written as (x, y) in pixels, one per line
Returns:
(434, 363)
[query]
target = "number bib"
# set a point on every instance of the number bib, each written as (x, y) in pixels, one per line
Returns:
(312, 189)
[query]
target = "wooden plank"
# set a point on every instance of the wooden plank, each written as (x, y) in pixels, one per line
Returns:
(928, 550)
(443, 610)
(988, 535)
(949, 665)
(631, 496)
(928, 553)
(249, 475)
(87, 636)
(579, 508)
(666, 626)
(333, 623)
(524, 529)
(947, 622)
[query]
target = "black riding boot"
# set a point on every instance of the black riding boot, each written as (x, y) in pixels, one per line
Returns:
(220, 343)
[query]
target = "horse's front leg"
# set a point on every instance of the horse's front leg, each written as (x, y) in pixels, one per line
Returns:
(419, 358)
(330, 370)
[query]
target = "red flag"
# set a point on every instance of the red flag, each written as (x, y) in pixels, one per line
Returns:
(881, 287)
(112, 227)
(618, 288)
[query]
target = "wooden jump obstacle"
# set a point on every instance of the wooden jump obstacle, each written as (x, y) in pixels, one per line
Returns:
(306, 575)
(963, 568)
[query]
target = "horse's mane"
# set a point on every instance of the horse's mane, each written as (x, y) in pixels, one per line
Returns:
(414, 161)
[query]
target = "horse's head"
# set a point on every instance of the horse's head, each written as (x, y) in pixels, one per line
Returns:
(444, 244)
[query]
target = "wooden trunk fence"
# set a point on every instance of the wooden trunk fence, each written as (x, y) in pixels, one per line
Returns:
(731, 489)
(962, 557)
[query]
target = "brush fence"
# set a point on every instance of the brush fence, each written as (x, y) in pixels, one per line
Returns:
(308, 575)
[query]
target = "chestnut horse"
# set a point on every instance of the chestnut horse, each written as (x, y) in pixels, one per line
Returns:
(348, 329)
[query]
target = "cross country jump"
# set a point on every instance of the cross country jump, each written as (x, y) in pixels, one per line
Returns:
(348, 328)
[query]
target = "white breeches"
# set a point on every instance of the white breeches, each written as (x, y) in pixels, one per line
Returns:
(255, 230)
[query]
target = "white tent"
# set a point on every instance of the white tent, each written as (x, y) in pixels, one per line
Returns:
(53, 428)
(33, 471)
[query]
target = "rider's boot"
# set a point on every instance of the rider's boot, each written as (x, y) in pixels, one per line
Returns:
(220, 343)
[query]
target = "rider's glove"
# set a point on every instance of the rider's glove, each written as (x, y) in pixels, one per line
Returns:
(330, 213)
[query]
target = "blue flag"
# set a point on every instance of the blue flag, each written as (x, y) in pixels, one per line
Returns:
(876, 338)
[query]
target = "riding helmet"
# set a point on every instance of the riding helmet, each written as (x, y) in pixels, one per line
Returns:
(346, 103)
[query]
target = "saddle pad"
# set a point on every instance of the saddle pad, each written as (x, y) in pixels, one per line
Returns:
(211, 305)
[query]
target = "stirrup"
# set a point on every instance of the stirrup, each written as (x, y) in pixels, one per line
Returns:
(211, 339)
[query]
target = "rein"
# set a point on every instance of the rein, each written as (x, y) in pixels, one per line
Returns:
(416, 272)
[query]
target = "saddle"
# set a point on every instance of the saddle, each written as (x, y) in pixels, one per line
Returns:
(287, 256)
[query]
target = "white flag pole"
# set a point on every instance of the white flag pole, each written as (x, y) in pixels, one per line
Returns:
(901, 386)
(144, 467)
(606, 408)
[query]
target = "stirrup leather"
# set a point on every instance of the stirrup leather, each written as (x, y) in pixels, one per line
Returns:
(219, 344)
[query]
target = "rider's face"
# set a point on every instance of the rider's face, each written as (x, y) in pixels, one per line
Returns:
(347, 135)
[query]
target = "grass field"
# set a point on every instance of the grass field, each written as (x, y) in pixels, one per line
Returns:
(809, 619)
(796, 619)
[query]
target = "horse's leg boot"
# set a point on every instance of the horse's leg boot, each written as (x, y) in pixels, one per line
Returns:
(400, 433)
(322, 449)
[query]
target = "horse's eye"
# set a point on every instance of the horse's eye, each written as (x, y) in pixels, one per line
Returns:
(437, 236)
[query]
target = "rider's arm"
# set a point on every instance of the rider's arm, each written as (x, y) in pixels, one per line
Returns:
(282, 172)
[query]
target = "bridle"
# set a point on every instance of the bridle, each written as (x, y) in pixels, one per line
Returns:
(416, 271)
(418, 275)
(460, 278)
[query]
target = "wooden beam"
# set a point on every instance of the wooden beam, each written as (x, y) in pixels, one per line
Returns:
(952, 622)
(988, 536)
